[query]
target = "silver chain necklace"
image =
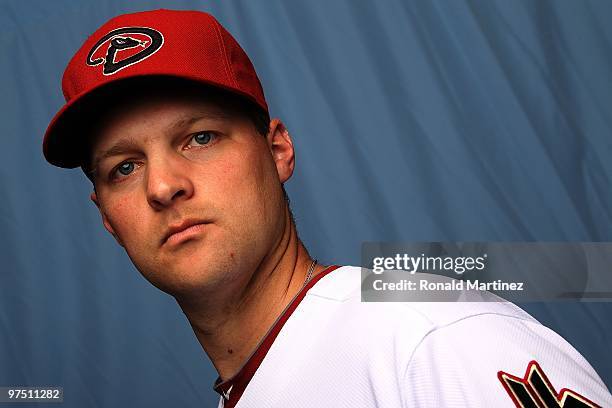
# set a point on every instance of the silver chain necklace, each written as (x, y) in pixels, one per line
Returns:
(310, 271)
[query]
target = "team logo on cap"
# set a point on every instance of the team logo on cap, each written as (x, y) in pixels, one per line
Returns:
(123, 47)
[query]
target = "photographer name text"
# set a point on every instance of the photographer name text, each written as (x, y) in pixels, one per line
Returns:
(453, 285)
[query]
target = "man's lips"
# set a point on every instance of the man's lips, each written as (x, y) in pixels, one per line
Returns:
(186, 229)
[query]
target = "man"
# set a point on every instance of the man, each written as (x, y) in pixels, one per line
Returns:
(166, 116)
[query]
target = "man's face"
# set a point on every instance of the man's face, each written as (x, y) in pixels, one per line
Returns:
(166, 163)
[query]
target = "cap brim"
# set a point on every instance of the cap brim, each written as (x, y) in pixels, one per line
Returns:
(66, 138)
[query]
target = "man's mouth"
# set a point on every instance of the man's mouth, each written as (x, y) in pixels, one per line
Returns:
(184, 230)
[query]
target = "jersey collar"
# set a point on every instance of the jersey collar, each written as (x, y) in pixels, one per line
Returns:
(231, 390)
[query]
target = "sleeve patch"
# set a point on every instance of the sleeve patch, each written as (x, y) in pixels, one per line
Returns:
(535, 390)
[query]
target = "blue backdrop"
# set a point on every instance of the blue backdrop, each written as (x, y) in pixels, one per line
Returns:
(413, 120)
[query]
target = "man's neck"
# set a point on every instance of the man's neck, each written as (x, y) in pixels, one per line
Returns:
(230, 331)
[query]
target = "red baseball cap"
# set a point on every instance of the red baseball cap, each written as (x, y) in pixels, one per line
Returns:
(184, 44)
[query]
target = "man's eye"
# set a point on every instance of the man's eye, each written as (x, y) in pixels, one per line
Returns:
(201, 138)
(124, 168)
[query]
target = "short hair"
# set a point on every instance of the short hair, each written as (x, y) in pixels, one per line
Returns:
(92, 112)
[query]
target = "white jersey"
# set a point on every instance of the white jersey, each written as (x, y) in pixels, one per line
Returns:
(329, 349)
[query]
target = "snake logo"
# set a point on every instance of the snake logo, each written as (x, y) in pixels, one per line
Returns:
(126, 46)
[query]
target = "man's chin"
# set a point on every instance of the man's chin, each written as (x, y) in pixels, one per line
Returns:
(188, 278)
(181, 286)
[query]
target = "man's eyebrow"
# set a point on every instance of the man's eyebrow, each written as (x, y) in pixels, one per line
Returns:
(124, 145)
(120, 147)
(188, 120)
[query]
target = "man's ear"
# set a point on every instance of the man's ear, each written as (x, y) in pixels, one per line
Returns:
(107, 225)
(281, 147)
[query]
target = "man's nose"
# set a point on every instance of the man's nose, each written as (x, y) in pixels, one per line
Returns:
(167, 182)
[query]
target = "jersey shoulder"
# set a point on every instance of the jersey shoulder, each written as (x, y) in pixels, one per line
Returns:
(446, 353)
(344, 285)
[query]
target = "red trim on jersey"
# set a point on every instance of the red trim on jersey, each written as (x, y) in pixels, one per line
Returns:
(239, 382)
